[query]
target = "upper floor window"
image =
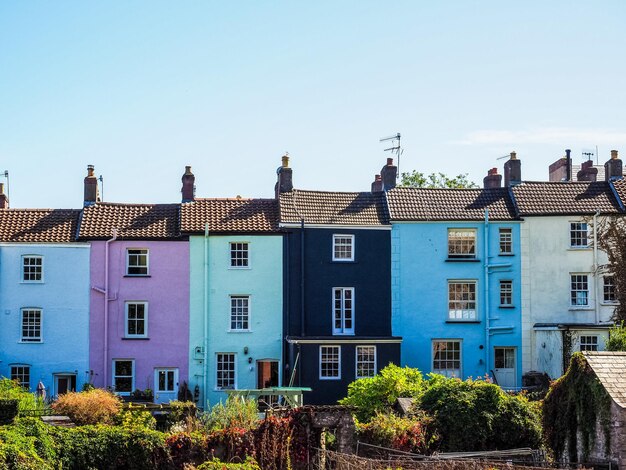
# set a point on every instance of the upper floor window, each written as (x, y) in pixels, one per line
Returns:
(579, 290)
(506, 293)
(588, 343)
(343, 247)
(240, 312)
(225, 370)
(31, 325)
(32, 268)
(239, 255)
(330, 362)
(578, 235)
(506, 241)
(609, 294)
(21, 373)
(447, 358)
(136, 319)
(462, 300)
(365, 361)
(137, 262)
(123, 376)
(343, 311)
(461, 243)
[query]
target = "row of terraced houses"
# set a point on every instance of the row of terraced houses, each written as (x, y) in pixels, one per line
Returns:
(310, 288)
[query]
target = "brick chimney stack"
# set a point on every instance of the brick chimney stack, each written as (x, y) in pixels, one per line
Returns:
(4, 200)
(493, 179)
(613, 168)
(285, 177)
(377, 185)
(189, 188)
(512, 170)
(92, 195)
(587, 172)
(388, 175)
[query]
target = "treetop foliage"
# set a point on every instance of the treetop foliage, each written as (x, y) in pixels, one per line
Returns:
(417, 179)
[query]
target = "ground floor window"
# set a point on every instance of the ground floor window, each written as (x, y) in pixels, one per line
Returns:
(330, 362)
(225, 371)
(365, 361)
(21, 373)
(123, 376)
(588, 343)
(447, 357)
(166, 380)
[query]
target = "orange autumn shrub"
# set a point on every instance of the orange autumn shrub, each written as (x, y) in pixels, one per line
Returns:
(95, 406)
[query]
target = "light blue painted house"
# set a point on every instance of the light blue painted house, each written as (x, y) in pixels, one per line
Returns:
(456, 276)
(44, 300)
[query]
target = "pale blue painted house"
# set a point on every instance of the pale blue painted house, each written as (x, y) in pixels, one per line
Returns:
(44, 300)
(456, 281)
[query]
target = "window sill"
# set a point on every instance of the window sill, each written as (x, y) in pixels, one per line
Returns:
(32, 282)
(609, 304)
(462, 260)
(224, 389)
(337, 333)
(330, 378)
(579, 248)
(506, 254)
(238, 331)
(576, 309)
(343, 261)
(30, 342)
(462, 321)
(133, 338)
(506, 306)
(240, 268)
(137, 275)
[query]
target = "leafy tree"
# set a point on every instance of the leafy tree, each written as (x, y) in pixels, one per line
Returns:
(617, 338)
(417, 179)
(612, 240)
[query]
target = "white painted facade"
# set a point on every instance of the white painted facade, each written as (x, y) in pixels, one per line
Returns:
(548, 262)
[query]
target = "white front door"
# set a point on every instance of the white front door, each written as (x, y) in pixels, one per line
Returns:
(504, 367)
(165, 385)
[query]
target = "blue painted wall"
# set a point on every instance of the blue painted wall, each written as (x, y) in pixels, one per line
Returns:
(420, 274)
(63, 297)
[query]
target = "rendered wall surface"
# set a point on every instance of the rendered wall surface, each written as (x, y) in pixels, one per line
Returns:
(263, 282)
(63, 297)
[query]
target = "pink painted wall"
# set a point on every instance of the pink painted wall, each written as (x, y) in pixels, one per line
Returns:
(167, 292)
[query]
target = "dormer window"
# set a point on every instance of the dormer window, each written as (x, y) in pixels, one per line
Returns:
(462, 243)
(343, 247)
(137, 262)
(32, 268)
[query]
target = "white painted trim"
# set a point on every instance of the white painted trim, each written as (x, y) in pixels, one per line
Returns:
(220, 389)
(47, 245)
(340, 340)
(336, 227)
(356, 360)
(230, 311)
(43, 269)
(352, 247)
(320, 362)
(147, 250)
(145, 319)
(342, 331)
(230, 255)
(432, 353)
(40, 310)
(113, 376)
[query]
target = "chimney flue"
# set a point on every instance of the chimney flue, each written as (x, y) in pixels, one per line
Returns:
(587, 172)
(189, 189)
(4, 200)
(512, 170)
(493, 179)
(284, 184)
(388, 175)
(91, 193)
(377, 185)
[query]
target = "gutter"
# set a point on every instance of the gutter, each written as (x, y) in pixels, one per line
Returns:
(596, 303)
(486, 288)
(205, 339)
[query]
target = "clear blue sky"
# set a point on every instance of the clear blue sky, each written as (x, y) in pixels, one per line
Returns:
(142, 88)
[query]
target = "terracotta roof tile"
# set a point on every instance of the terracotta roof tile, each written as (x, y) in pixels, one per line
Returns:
(556, 198)
(620, 189)
(230, 215)
(450, 204)
(38, 225)
(322, 207)
(610, 368)
(132, 221)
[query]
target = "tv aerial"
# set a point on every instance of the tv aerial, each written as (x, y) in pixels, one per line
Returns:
(395, 148)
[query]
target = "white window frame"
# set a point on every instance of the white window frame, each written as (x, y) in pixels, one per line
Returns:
(460, 359)
(31, 339)
(606, 286)
(338, 242)
(503, 234)
(233, 249)
(25, 267)
(17, 374)
(137, 266)
(337, 348)
(114, 376)
(573, 290)
(166, 370)
(575, 235)
(127, 304)
(460, 247)
(590, 341)
(343, 319)
(367, 363)
(466, 314)
(218, 370)
(233, 313)
(502, 283)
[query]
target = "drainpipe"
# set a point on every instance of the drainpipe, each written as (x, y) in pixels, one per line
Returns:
(595, 267)
(205, 339)
(486, 288)
(302, 328)
(106, 307)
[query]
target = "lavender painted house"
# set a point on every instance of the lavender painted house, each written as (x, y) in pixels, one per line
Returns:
(139, 301)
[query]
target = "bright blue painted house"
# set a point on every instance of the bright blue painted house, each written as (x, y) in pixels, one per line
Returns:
(44, 300)
(456, 281)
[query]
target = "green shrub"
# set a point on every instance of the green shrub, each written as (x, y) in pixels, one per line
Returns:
(215, 464)
(617, 338)
(476, 415)
(135, 416)
(26, 446)
(12, 390)
(378, 394)
(181, 412)
(405, 434)
(235, 413)
(95, 406)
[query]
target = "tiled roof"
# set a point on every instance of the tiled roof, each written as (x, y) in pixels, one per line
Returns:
(132, 221)
(556, 198)
(610, 368)
(449, 204)
(230, 215)
(323, 207)
(38, 225)
(620, 189)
